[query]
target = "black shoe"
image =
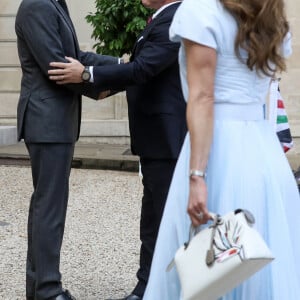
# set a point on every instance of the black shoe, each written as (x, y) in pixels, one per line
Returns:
(129, 297)
(65, 295)
(29, 298)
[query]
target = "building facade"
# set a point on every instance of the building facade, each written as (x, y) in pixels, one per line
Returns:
(106, 120)
(102, 121)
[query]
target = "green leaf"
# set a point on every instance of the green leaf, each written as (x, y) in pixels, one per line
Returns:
(116, 25)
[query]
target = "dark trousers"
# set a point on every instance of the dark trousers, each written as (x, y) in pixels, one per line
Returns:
(51, 166)
(157, 176)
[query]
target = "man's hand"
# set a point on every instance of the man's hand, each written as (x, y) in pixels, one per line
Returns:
(104, 94)
(66, 72)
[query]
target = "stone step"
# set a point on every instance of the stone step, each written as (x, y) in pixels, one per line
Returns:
(92, 131)
(9, 54)
(114, 107)
(93, 128)
(8, 135)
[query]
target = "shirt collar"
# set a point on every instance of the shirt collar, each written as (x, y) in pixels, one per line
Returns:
(162, 8)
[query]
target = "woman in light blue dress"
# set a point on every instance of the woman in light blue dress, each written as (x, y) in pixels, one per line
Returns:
(232, 142)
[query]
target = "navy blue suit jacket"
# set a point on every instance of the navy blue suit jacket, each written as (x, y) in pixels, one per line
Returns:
(156, 106)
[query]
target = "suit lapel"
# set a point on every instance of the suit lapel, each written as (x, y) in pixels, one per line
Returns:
(148, 28)
(69, 23)
(142, 36)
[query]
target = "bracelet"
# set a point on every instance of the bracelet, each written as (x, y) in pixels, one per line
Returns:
(197, 173)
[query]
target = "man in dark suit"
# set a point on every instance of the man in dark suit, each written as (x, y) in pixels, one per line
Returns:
(49, 122)
(157, 121)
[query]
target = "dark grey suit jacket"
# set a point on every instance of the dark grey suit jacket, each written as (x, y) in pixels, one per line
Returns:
(48, 112)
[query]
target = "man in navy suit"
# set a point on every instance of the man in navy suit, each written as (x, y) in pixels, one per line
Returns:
(49, 122)
(156, 110)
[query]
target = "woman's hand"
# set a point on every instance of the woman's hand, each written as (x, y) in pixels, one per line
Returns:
(66, 72)
(197, 209)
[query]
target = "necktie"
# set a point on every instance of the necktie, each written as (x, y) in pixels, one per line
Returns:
(63, 4)
(149, 20)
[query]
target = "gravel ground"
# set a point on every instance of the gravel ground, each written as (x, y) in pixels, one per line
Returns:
(101, 243)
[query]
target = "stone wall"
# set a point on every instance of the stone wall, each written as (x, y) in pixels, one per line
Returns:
(102, 121)
(106, 120)
(290, 83)
(9, 65)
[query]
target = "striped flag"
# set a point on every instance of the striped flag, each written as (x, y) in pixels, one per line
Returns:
(278, 116)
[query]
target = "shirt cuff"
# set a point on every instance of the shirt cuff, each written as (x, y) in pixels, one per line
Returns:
(91, 68)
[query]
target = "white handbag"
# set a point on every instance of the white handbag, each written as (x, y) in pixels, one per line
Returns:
(221, 256)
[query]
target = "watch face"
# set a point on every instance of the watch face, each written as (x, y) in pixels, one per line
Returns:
(86, 75)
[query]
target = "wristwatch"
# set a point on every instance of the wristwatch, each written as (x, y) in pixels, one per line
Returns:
(86, 74)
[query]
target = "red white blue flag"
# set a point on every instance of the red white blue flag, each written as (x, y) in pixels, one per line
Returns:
(278, 116)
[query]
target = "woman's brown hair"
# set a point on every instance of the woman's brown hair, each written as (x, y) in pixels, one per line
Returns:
(262, 26)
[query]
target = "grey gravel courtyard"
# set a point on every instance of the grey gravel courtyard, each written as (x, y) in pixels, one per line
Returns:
(101, 244)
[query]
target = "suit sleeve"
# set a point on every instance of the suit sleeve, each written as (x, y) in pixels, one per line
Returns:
(89, 59)
(94, 59)
(41, 30)
(157, 53)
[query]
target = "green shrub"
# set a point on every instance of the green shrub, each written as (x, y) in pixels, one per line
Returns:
(117, 24)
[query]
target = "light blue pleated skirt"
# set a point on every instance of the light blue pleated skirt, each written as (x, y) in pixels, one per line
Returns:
(247, 169)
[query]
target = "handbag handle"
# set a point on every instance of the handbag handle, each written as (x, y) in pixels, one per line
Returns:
(217, 220)
(210, 254)
(195, 229)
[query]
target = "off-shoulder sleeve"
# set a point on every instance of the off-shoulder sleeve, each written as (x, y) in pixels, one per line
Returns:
(196, 20)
